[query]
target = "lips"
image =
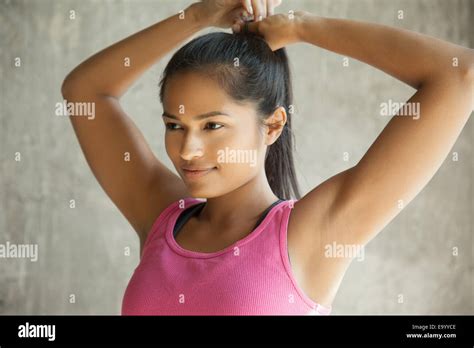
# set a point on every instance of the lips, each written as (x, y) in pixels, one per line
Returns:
(196, 172)
(194, 169)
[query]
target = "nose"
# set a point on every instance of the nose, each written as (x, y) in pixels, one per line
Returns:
(192, 147)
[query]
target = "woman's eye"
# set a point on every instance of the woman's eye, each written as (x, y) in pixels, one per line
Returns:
(212, 126)
(171, 125)
(215, 124)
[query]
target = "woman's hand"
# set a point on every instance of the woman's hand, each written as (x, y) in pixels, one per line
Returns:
(278, 30)
(225, 13)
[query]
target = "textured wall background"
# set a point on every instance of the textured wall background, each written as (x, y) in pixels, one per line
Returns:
(82, 250)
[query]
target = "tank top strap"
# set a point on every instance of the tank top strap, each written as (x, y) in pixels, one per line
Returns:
(196, 209)
(186, 215)
(264, 214)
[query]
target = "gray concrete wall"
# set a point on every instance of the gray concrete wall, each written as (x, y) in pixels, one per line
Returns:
(82, 250)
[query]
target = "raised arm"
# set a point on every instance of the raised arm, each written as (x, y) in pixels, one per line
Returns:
(359, 202)
(356, 204)
(115, 149)
(410, 57)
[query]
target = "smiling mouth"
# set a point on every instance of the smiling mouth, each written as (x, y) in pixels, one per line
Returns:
(195, 174)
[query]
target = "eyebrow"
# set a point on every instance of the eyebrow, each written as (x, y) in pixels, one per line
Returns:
(198, 117)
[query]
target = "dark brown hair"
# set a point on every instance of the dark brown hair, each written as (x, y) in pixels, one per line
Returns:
(248, 70)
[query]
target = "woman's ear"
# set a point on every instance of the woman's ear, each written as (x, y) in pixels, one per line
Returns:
(274, 125)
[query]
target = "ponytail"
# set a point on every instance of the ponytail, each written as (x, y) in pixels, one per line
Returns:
(279, 163)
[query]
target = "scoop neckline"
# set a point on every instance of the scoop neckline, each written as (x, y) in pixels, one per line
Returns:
(196, 254)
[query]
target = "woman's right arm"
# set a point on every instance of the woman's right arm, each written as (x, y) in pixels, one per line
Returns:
(115, 149)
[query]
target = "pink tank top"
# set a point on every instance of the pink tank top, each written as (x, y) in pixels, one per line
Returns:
(253, 276)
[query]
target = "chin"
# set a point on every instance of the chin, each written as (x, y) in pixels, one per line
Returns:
(205, 191)
(200, 192)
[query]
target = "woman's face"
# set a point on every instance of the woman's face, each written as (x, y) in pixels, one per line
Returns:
(230, 142)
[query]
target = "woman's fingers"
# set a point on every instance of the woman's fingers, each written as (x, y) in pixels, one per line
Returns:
(251, 27)
(257, 8)
(238, 24)
(260, 10)
(248, 6)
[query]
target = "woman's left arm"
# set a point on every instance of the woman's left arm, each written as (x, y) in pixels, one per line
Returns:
(362, 200)
(413, 58)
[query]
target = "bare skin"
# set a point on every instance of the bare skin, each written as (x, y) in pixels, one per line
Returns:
(351, 207)
(237, 193)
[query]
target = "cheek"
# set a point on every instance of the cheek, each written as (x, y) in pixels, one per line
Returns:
(240, 155)
(244, 136)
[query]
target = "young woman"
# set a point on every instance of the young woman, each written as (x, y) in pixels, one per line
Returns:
(250, 247)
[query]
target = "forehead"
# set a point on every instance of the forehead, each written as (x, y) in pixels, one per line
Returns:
(188, 86)
(198, 94)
